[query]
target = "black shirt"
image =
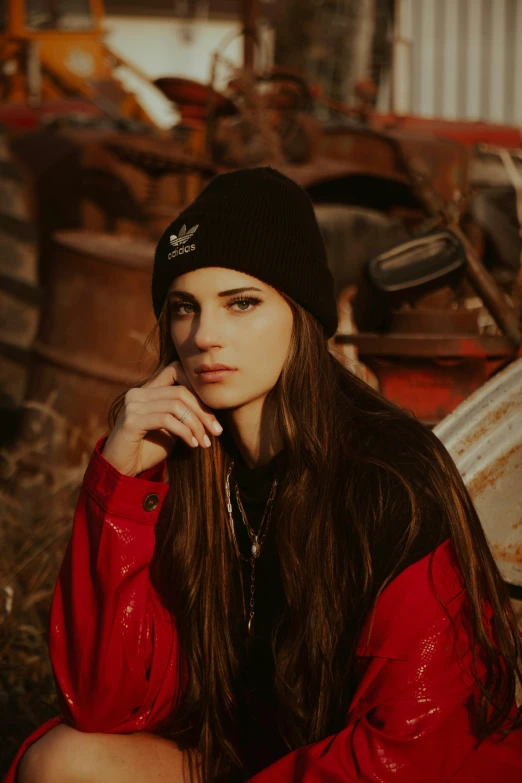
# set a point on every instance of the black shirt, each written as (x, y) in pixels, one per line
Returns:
(260, 740)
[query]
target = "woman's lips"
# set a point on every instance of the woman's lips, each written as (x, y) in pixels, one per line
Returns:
(214, 376)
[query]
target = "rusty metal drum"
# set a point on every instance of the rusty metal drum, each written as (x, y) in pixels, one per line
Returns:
(96, 314)
(484, 437)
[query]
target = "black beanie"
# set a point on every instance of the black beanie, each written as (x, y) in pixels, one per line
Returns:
(257, 221)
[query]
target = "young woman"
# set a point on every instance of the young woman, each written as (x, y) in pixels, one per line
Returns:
(273, 572)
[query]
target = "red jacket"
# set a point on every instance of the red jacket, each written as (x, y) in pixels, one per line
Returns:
(114, 652)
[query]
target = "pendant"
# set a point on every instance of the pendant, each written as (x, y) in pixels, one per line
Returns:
(250, 627)
(255, 549)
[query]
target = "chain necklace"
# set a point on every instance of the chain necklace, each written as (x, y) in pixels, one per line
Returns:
(256, 539)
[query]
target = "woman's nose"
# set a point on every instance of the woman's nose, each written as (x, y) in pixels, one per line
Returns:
(206, 331)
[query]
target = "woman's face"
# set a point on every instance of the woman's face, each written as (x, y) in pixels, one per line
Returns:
(222, 316)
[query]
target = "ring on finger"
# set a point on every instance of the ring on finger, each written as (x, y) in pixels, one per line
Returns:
(185, 415)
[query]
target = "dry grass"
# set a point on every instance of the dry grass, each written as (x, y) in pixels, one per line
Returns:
(37, 501)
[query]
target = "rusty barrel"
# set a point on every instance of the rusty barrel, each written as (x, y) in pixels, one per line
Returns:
(96, 314)
(19, 290)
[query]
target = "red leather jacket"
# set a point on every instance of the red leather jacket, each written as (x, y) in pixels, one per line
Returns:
(114, 652)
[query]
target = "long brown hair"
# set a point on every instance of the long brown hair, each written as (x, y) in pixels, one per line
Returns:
(357, 464)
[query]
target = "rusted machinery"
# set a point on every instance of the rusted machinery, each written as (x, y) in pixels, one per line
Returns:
(107, 187)
(77, 152)
(55, 62)
(431, 356)
(375, 182)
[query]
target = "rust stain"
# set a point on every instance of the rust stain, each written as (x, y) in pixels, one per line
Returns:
(489, 423)
(511, 553)
(490, 476)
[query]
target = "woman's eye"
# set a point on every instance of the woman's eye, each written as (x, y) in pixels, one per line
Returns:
(248, 301)
(176, 307)
(245, 305)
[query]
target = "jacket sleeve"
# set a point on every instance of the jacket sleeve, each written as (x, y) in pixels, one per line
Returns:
(112, 644)
(409, 723)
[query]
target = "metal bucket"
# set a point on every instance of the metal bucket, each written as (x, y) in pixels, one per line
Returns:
(484, 437)
(96, 314)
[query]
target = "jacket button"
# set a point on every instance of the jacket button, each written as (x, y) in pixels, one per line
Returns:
(151, 502)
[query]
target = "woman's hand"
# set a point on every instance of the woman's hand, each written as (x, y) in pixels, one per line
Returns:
(148, 422)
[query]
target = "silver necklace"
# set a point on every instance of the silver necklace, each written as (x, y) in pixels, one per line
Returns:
(257, 539)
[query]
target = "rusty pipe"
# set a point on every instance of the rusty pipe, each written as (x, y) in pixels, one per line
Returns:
(250, 18)
(484, 284)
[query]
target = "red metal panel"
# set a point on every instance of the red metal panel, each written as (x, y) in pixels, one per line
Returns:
(430, 374)
(468, 133)
(430, 388)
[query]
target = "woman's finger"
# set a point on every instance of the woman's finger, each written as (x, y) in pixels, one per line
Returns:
(178, 409)
(192, 401)
(149, 422)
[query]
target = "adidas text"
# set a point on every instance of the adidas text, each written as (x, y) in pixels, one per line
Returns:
(183, 249)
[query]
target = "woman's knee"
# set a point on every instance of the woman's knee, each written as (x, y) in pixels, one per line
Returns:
(62, 754)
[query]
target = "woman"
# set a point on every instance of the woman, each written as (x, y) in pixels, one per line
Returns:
(273, 572)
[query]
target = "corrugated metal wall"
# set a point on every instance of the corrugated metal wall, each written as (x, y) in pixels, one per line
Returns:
(458, 59)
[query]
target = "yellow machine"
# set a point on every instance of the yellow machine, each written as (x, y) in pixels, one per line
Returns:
(53, 51)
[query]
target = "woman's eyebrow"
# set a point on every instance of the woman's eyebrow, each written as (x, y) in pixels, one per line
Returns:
(186, 294)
